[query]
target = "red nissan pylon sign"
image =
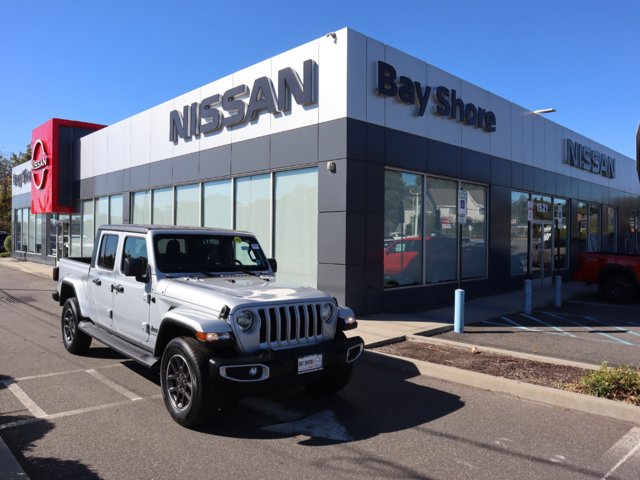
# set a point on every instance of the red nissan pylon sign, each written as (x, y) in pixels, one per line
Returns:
(52, 145)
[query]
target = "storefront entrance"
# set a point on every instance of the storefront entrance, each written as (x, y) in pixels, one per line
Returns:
(541, 250)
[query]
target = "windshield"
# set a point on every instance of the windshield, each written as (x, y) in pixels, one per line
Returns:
(178, 253)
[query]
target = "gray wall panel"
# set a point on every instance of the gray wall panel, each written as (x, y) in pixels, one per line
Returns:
(250, 156)
(100, 188)
(500, 171)
(139, 178)
(476, 166)
(332, 187)
(403, 150)
(517, 172)
(294, 147)
(185, 168)
(115, 182)
(87, 188)
(375, 144)
(332, 140)
(444, 159)
(215, 162)
(160, 173)
(332, 237)
(332, 280)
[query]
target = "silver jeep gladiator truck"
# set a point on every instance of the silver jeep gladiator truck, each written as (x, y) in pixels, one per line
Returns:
(206, 307)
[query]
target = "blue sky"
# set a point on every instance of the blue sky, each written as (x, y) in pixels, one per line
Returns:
(102, 62)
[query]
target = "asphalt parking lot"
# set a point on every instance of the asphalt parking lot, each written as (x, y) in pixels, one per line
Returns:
(101, 416)
(587, 329)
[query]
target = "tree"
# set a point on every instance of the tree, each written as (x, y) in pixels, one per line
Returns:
(6, 166)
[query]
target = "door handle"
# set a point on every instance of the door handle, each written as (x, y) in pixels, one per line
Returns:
(117, 288)
(97, 281)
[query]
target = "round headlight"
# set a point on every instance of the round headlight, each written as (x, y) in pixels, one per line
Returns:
(326, 310)
(245, 320)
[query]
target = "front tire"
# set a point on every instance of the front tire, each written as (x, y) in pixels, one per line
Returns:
(74, 340)
(618, 288)
(186, 388)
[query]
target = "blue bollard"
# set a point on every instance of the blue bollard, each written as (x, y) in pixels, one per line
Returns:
(458, 313)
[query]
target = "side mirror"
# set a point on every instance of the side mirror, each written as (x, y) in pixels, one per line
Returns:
(135, 267)
(273, 264)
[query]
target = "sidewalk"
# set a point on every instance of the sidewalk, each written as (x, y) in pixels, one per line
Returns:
(377, 330)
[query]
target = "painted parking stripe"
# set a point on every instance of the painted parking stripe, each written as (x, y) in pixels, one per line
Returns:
(600, 322)
(625, 330)
(110, 383)
(25, 400)
(608, 305)
(542, 322)
(623, 450)
(522, 327)
(65, 372)
(565, 319)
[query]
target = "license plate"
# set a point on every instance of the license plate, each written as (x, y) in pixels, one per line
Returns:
(310, 363)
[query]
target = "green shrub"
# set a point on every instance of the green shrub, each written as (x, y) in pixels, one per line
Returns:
(7, 244)
(5, 254)
(618, 383)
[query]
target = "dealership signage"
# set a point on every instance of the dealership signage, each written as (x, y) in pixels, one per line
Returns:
(447, 103)
(589, 159)
(39, 160)
(229, 109)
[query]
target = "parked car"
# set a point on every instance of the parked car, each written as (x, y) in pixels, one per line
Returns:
(204, 305)
(617, 275)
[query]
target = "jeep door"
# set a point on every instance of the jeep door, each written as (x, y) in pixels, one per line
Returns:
(131, 296)
(101, 277)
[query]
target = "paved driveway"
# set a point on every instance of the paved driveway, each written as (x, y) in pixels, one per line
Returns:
(587, 330)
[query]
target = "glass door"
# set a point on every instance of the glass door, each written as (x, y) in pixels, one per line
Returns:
(541, 245)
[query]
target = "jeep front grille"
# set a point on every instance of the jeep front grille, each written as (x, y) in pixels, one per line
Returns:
(289, 325)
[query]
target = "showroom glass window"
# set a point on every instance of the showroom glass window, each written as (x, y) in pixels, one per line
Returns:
(296, 225)
(142, 208)
(610, 238)
(441, 212)
(115, 210)
(162, 206)
(594, 227)
(519, 232)
(474, 232)
(75, 232)
(31, 247)
(403, 200)
(87, 228)
(253, 208)
(39, 217)
(102, 211)
(561, 215)
(188, 205)
(51, 245)
(218, 204)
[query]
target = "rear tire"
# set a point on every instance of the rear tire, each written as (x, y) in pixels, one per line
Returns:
(74, 340)
(186, 388)
(618, 288)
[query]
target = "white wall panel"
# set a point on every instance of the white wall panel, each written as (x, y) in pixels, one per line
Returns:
(501, 138)
(86, 154)
(399, 115)
(141, 138)
(357, 61)
(299, 115)
(517, 134)
(221, 136)
(538, 141)
(100, 151)
(262, 125)
(477, 139)
(527, 135)
(160, 147)
(376, 109)
(441, 128)
(116, 146)
(552, 146)
(332, 74)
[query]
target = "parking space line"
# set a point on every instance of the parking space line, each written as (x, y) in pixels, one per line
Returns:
(565, 319)
(542, 322)
(627, 446)
(517, 325)
(66, 372)
(110, 383)
(607, 305)
(625, 330)
(29, 404)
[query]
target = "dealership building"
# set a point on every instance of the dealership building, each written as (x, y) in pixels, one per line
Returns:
(364, 171)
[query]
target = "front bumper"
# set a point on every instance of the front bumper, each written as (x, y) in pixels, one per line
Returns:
(275, 366)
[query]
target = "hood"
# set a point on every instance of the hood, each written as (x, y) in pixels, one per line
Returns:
(236, 290)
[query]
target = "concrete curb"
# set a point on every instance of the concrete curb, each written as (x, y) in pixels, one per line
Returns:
(10, 469)
(499, 351)
(550, 396)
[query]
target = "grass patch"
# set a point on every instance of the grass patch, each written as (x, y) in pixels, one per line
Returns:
(615, 383)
